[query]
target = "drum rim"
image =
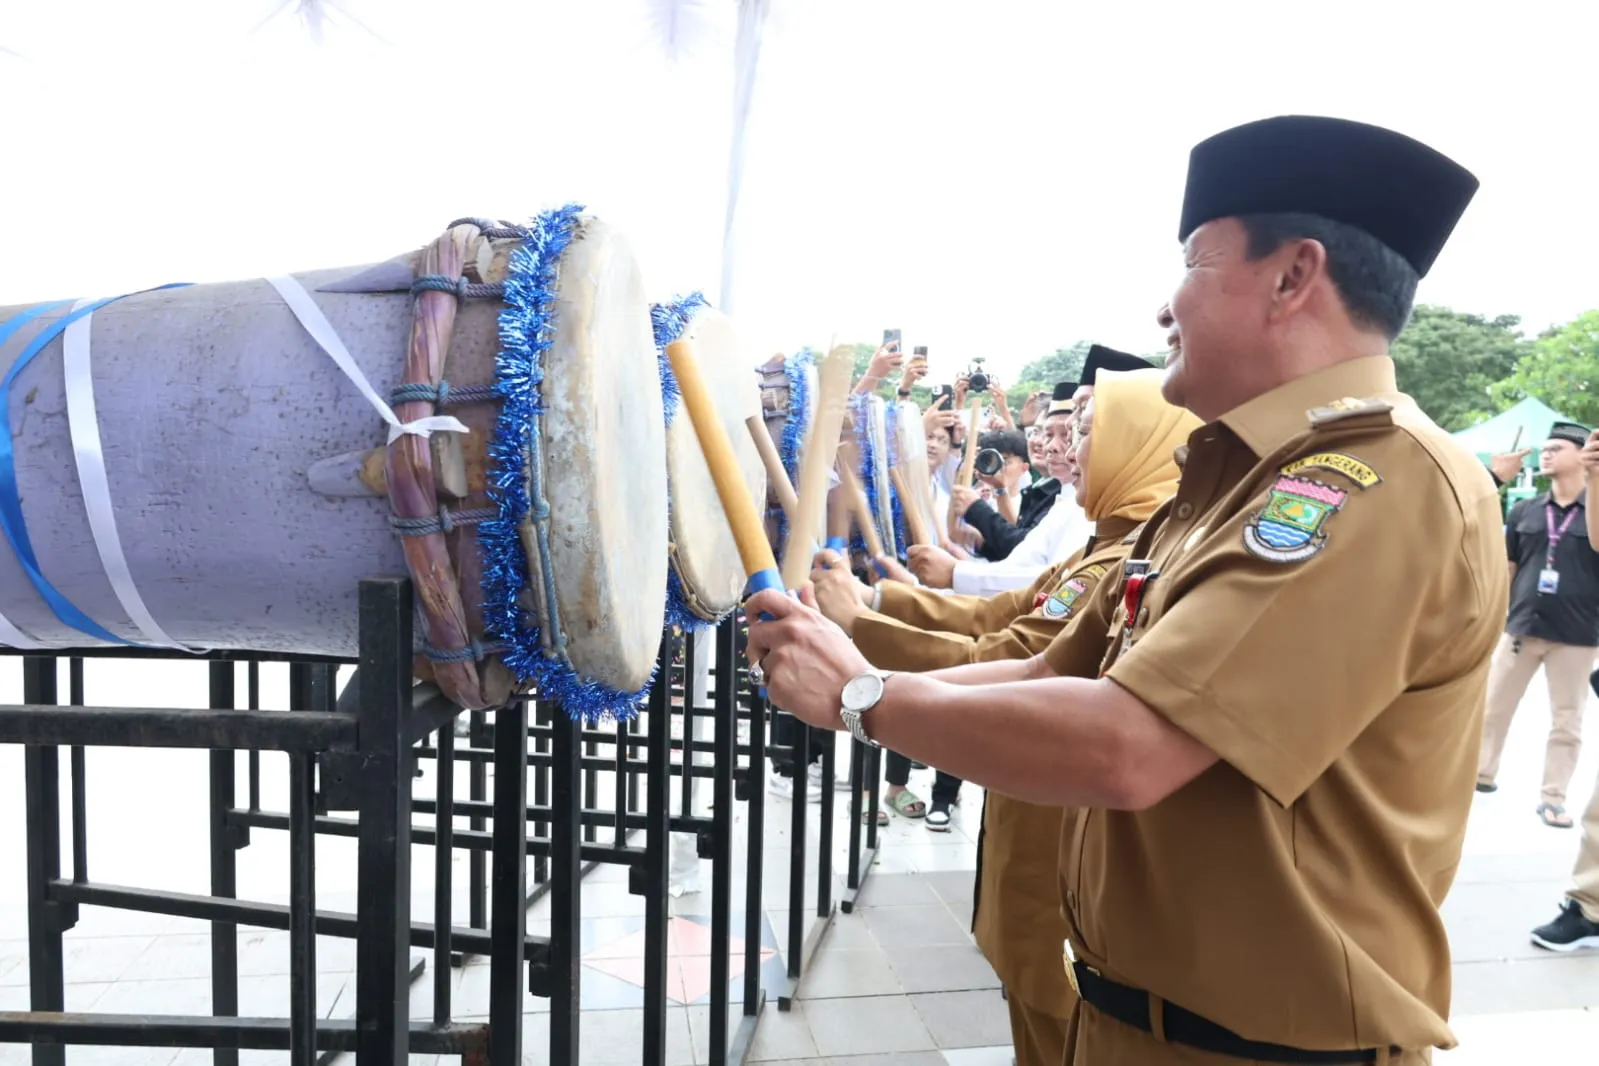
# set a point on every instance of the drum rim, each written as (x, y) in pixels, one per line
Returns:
(516, 471)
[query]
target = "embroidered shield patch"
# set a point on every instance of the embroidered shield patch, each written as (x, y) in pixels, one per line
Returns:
(1288, 529)
(1059, 605)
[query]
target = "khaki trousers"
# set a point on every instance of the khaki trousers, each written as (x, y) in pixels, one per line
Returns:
(1099, 1040)
(1565, 668)
(1585, 879)
(1038, 1037)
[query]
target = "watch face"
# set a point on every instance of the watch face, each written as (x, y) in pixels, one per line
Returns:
(862, 692)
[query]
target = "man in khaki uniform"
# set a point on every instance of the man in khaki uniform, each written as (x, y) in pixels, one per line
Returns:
(1280, 754)
(1128, 435)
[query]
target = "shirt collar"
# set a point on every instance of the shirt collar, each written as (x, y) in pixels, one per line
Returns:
(1273, 418)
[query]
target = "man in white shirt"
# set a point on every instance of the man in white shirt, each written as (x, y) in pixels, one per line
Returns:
(1063, 530)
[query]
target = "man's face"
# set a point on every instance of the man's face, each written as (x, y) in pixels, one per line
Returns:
(1060, 449)
(1216, 321)
(937, 447)
(1035, 442)
(1558, 458)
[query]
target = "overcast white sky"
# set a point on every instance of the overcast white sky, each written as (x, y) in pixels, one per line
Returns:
(996, 179)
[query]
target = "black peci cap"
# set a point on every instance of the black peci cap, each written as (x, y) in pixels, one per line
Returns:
(1103, 358)
(1403, 193)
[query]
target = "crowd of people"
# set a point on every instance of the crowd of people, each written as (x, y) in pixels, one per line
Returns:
(1186, 644)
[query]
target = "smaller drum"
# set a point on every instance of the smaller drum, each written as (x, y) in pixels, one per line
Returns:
(705, 581)
(788, 391)
(913, 468)
(870, 416)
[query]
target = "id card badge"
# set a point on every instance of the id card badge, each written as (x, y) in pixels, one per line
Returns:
(1548, 582)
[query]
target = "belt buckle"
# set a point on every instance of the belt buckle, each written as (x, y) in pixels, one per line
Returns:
(1070, 958)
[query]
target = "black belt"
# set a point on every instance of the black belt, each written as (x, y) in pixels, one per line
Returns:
(1130, 1006)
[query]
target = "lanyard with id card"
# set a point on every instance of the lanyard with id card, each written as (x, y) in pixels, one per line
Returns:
(1549, 577)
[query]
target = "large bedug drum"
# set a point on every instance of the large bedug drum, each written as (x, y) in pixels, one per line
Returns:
(217, 466)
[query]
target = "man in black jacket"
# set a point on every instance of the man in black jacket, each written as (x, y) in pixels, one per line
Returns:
(1000, 535)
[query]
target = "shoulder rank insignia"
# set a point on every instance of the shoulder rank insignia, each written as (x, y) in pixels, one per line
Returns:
(1058, 606)
(1338, 463)
(1348, 409)
(1288, 529)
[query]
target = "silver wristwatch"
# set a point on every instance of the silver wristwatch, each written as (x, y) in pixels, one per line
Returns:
(861, 694)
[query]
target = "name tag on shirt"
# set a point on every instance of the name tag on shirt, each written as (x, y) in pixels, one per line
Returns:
(1548, 582)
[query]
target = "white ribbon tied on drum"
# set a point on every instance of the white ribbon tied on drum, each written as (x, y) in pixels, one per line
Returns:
(322, 331)
(83, 422)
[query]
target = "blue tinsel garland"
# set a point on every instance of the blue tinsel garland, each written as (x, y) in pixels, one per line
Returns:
(527, 326)
(793, 442)
(866, 473)
(891, 437)
(670, 320)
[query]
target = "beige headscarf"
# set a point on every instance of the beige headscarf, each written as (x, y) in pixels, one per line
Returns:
(1131, 469)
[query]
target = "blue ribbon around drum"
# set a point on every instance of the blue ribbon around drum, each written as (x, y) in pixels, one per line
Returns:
(11, 519)
(516, 485)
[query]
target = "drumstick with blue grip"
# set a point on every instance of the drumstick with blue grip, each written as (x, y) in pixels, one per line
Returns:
(754, 551)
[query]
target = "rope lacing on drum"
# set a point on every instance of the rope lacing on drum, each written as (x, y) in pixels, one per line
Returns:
(460, 288)
(501, 230)
(474, 652)
(443, 394)
(447, 521)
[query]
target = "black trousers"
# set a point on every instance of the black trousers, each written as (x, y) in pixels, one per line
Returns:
(945, 786)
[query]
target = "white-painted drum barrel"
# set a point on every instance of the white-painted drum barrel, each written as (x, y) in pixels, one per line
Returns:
(247, 477)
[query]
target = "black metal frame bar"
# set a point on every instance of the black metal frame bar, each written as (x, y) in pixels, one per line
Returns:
(364, 747)
(378, 735)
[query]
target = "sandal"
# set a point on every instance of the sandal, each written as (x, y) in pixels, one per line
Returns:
(882, 817)
(1554, 815)
(906, 805)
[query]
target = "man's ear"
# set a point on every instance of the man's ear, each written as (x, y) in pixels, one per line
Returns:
(1303, 264)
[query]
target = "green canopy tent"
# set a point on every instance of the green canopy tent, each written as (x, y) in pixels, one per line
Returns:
(1526, 425)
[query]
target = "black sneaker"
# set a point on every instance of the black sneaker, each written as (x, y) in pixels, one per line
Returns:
(938, 818)
(1569, 932)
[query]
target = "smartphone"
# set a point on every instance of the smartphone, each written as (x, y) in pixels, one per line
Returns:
(944, 390)
(891, 337)
(920, 351)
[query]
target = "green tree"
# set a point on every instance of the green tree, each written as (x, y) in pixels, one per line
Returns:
(1562, 370)
(1449, 362)
(1063, 364)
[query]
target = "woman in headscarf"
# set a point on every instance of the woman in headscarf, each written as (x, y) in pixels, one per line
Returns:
(1126, 439)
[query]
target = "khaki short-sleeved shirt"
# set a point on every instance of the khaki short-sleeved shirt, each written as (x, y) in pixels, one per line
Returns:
(920, 629)
(1017, 921)
(1329, 586)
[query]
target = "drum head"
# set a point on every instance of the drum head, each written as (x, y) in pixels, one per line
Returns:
(604, 465)
(707, 558)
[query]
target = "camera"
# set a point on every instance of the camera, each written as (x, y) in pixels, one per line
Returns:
(988, 462)
(976, 379)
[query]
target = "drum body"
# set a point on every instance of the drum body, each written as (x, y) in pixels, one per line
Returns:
(214, 407)
(707, 574)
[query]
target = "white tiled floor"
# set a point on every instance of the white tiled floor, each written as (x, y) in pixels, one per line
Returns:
(1506, 992)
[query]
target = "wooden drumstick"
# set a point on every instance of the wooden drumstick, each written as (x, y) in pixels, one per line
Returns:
(915, 517)
(858, 503)
(754, 550)
(782, 487)
(968, 460)
(833, 380)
